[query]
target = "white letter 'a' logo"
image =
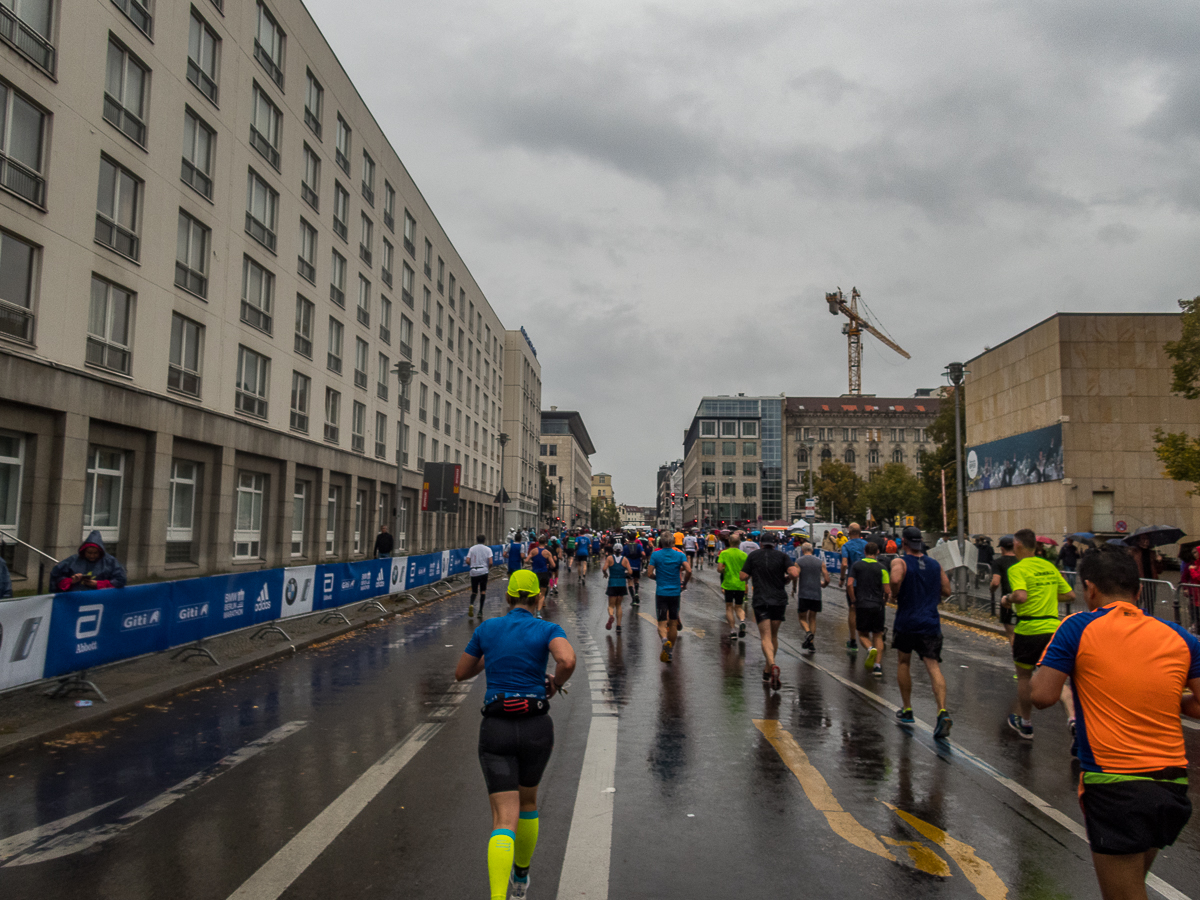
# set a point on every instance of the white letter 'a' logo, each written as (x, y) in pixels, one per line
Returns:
(88, 616)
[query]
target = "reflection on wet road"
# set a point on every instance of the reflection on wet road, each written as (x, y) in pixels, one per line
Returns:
(351, 770)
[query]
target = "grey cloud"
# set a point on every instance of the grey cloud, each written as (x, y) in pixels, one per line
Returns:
(1118, 233)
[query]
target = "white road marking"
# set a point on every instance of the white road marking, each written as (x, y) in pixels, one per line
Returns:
(19, 843)
(67, 844)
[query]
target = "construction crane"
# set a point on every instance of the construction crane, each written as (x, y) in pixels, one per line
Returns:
(853, 330)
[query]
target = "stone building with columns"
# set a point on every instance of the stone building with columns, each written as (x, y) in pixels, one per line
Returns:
(150, 386)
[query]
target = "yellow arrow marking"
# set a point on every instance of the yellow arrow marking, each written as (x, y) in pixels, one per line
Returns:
(818, 791)
(923, 858)
(653, 621)
(980, 873)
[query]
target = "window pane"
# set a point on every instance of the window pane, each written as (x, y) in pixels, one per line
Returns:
(16, 266)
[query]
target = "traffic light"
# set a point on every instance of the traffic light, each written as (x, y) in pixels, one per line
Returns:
(685, 496)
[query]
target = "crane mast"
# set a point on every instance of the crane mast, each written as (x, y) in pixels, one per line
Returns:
(855, 325)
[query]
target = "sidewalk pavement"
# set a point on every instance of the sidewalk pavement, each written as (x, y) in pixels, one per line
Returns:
(29, 717)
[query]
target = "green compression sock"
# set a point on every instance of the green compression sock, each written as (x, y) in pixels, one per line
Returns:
(500, 862)
(527, 836)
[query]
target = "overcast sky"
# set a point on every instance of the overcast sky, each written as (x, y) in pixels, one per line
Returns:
(661, 193)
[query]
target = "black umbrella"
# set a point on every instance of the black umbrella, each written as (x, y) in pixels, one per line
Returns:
(1159, 535)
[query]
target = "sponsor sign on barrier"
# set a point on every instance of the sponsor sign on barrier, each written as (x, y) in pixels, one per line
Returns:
(399, 574)
(90, 628)
(24, 636)
(299, 589)
(833, 561)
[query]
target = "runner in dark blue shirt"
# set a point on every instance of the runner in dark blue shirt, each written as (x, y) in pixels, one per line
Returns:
(516, 736)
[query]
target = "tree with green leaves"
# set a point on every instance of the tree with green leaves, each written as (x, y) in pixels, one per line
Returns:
(890, 492)
(605, 514)
(1178, 451)
(837, 489)
(937, 459)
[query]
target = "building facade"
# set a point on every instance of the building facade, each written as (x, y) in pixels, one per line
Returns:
(1060, 423)
(636, 516)
(732, 468)
(669, 498)
(602, 488)
(523, 425)
(149, 385)
(565, 449)
(865, 432)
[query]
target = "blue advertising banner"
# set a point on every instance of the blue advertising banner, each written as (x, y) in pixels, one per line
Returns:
(458, 562)
(833, 560)
(424, 570)
(90, 628)
(1029, 458)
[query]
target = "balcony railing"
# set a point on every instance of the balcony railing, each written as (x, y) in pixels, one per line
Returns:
(22, 180)
(337, 295)
(271, 67)
(256, 317)
(26, 41)
(191, 280)
(259, 142)
(406, 350)
(137, 12)
(381, 449)
(120, 239)
(364, 253)
(360, 379)
(180, 379)
(331, 432)
(310, 196)
(381, 390)
(339, 228)
(411, 248)
(303, 346)
(128, 123)
(333, 363)
(357, 443)
(312, 122)
(16, 321)
(252, 404)
(407, 297)
(368, 193)
(306, 270)
(299, 421)
(260, 232)
(385, 334)
(390, 221)
(428, 271)
(196, 179)
(342, 161)
(385, 275)
(202, 81)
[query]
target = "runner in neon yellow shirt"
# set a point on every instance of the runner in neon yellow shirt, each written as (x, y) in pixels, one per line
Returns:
(729, 565)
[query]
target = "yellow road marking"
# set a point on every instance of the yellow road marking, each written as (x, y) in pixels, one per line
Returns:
(980, 873)
(923, 858)
(653, 621)
(818, 791)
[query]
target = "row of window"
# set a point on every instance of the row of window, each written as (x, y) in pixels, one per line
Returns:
(728, 448)
(728, 489)
(749, 469)
(852, 435)
(729, 428)
(850, 457)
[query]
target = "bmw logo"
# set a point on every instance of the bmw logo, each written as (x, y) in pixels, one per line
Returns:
(395, 574)
(290, 592)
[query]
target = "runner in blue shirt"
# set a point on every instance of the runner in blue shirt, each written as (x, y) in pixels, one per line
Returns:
(671, 572)
(852, 551)
(515, 555)
(635, 554)
(516, 736)
(583, 545)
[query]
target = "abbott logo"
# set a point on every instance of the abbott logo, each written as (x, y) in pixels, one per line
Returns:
(87, 625)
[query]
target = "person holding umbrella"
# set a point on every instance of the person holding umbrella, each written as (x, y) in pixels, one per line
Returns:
(1148, 560)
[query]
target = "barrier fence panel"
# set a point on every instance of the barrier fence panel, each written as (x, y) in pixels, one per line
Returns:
(1189, 607)
(24, 639)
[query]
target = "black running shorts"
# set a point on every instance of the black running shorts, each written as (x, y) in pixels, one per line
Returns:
(667, 608)
(1006, 615)
(514, 752)
(805, 605)
(870, 621)
(1027, 649)
(1134, 816)
(479, 584)
(738, 597)
(773, 612)
(616, 591)
(926, 646)
(543, 579)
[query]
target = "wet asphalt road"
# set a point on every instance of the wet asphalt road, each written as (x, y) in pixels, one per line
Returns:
(723, 787)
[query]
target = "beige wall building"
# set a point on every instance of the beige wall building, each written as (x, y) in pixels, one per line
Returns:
(565, 449)
(522, 424)
(865, 432)
(602, 488)
(1060, 428)
(212, 259)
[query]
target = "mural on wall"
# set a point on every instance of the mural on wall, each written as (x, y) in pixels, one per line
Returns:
(1029, 458)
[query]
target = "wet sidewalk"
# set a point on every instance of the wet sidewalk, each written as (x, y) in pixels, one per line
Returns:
(29, 716)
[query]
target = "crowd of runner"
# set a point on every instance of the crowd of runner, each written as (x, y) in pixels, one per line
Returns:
(1131, 675)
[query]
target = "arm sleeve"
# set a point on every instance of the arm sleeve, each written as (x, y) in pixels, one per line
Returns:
(475, 646)
(554, 631)
(1016, 578)
(883, 573)
(116, 577)
(1064, 645)
(1064, 586)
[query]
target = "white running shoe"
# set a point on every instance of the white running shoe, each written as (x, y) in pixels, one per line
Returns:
(517, 890)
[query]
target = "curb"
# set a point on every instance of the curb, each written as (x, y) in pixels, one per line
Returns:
(75, 719)
(974, 623)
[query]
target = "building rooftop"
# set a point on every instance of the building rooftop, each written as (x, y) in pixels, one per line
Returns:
(863, 405)
(567, 421)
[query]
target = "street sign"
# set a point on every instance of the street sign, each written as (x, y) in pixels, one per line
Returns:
(1122, 527)
(910, 520)
(810, 506)
(439, 489)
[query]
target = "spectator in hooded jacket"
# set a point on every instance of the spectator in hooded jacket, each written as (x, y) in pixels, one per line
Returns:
(92, 568)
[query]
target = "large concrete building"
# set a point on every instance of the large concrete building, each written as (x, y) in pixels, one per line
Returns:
(523, 425)
(149, 386)
(1060, 424)
(602, 487)
(865, 432)
(669, 495)
(564, 451)
(732, 461)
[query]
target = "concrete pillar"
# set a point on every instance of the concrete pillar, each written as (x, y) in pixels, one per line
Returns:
(151, 532)
(222, 499)
(279, 548)
(319, 517)
(351, 508)
(65, 521)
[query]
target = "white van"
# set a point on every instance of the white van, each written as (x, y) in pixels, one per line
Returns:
(816, 531)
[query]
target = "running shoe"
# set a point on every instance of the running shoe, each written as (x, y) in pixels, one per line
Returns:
(733, 636)
(905, 716)
(877, 671)
(518, 888)
(611, 619)
(851, 646)
(872, 655)
(776, 682)
(742, 630)
(618, 629)
(471, 611)
(665, 656)
(941, 731)
(810, 642)
(766, 677)
(1074, 738)
(1025, 731)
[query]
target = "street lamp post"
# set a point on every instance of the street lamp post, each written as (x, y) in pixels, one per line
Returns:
(955, 373)
(560, 502)
(404, 372)
(503, 439)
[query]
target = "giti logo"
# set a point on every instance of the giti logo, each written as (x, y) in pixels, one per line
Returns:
(192, 611)
(263, 603)
(87, 625)
(147, 618)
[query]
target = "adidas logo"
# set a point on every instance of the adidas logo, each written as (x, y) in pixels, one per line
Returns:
(263, 603)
